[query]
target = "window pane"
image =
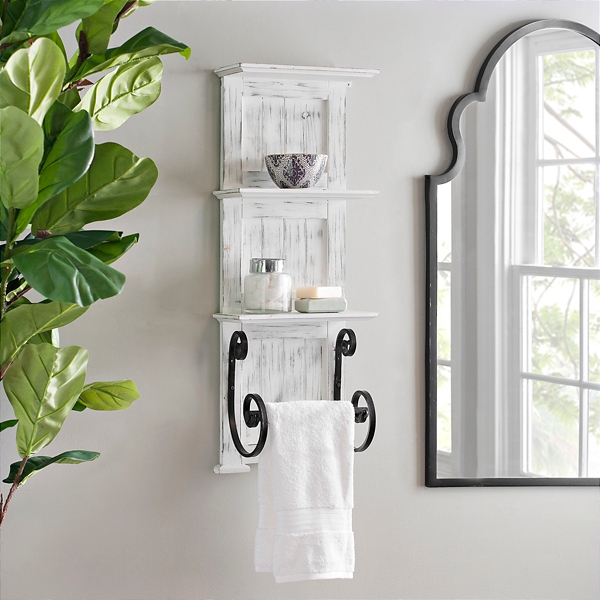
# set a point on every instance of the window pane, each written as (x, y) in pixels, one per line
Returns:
(444, 222)
(569, 215)
(594, 433)
(569, 118)
(443, 314)
(554, 411)
(553, 326)
(444, 409)
(595, 331)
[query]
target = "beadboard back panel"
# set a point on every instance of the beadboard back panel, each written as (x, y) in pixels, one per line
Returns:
(276, 125)
(281, 369)
(280, 116)
(310, 235)
(285, 362)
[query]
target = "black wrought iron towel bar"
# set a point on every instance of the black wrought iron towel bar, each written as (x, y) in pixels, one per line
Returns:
(238, 350)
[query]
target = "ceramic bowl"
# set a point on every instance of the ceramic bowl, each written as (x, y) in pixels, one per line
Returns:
(295, 170)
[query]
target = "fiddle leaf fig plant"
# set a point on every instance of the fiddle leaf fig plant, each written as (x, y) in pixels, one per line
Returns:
(54, 181)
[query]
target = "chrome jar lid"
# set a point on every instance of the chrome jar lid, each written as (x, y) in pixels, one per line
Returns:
(267, 265)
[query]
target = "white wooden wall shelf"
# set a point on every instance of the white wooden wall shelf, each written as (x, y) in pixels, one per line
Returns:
(269, 109)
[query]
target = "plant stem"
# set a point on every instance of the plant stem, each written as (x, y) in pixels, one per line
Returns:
(81, 57)
(5, 275)
(4, 9)
(6, 271)
(13, 488)
(3, 371)
(126, 8)
(19, 295)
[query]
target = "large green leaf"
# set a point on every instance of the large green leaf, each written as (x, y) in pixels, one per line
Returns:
(126, 91)
(148, 42)
(110, 251)
(11, 43)
(27, 320)
(61, 271)
(39, 17)
(70, 149)
(109, 395)
(22, 147)
(54, 36)
(82, 239)
(98, 27)
(93, 237)
(108, 246)
(32, 78)
(116, 182)
(50, 336)
(7, 424)
(3, 216)
(37, 463)
(46, 337)
(78, 407)
(70, 98)
(43, 384)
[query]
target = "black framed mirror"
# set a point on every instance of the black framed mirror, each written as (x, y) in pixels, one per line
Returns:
(513, 270)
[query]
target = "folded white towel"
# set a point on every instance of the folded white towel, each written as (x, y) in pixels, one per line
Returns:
(306, 492)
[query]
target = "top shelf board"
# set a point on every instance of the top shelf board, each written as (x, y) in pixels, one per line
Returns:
(295, 194)
(293, 72)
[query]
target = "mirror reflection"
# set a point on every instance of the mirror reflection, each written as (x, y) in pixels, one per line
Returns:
(518, 296)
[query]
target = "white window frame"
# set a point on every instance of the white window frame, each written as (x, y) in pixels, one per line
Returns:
(532, 263)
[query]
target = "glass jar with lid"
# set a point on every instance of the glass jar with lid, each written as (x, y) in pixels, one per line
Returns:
(267, 288)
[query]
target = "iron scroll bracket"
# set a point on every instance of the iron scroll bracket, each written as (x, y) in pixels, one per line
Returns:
(238, 350)
(345, 345)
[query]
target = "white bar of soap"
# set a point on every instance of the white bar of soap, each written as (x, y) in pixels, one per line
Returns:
(314, 291)
(320, 305)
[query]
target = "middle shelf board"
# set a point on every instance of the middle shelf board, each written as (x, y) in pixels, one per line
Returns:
(296, 317)
(297, 194)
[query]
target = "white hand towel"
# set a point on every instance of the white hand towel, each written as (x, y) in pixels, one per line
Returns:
(306, 492)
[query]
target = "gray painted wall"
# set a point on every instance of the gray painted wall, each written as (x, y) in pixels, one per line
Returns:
(149, 519)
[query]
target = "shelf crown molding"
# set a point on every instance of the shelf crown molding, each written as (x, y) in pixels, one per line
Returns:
(293, 72)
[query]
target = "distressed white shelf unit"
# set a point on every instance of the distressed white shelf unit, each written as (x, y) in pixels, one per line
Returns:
(269, 109)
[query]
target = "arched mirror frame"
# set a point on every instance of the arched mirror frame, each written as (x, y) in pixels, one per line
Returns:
(431, 184)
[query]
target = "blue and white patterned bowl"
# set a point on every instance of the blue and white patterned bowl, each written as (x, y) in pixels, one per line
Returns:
(295, 170)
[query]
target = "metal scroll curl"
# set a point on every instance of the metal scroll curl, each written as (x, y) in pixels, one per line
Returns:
(361, 414)
(345, 345)
(238, 350)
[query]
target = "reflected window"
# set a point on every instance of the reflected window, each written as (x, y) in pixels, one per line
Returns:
(518, 306)
(557, 267)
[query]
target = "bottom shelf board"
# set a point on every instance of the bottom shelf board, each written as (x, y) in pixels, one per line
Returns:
(296, 317)
(224, 469)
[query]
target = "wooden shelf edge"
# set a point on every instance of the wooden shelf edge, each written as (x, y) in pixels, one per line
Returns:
(300, 194)
(223, 469)
(295, 317)
(297, 72)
